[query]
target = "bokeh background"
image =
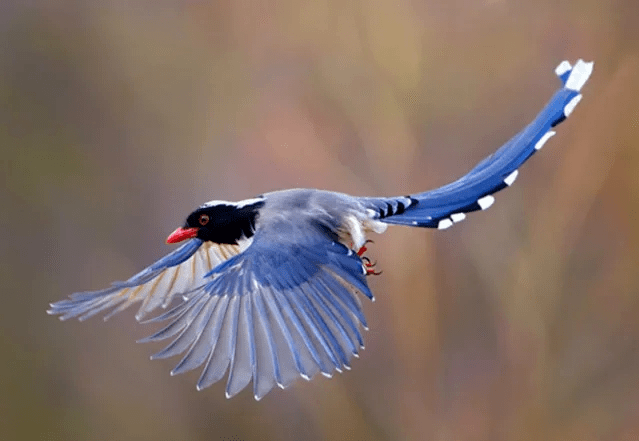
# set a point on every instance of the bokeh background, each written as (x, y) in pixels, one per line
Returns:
(118, 118)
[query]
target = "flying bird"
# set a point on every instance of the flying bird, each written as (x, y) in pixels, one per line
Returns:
(269, 287)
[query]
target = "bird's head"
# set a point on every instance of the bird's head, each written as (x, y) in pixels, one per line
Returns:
(221, 222)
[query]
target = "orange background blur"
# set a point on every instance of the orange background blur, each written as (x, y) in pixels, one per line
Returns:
(118, 118)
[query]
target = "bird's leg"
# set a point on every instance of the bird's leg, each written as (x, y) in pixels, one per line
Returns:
(363, 248)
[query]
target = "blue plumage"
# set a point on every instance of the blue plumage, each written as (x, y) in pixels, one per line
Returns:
(269, 287)
(428, 209)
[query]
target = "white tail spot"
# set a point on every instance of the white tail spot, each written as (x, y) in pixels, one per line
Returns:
(511, 178)
(458, 217)
(444, 223)
(563, 67)
(571, 105)
(549, 134)
(486, 202)
(579, 75)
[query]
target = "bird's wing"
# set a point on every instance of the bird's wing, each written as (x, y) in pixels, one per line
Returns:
(444, 206)
(176, 273)
(283, 308)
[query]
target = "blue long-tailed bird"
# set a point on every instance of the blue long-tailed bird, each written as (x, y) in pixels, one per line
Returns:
(268, 287)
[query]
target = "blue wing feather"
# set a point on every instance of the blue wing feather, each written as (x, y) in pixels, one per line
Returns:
(291, 310)
(87, 304)
(288, 305)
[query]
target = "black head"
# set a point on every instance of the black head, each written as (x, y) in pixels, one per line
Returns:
(220, 222)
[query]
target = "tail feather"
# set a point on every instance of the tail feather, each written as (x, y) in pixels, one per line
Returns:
(447, 205)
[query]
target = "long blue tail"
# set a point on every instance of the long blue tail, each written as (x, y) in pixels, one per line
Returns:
(444, 206)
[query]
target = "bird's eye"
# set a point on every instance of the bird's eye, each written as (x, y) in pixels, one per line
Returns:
(204, 219)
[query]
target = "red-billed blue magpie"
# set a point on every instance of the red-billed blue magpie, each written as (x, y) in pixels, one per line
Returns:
(267, 288)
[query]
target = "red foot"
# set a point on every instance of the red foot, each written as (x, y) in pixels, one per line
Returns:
(363, 249)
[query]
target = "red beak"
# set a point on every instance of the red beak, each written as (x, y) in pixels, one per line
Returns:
(181, 234)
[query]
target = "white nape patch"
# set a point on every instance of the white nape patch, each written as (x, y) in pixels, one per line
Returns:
(511, 178)
(549, 134)
(579, 75)
(216, 202)
(238, 204)
(458, 217)
(444, 223)
(486, 202)
(246, 202)
(563, 67)
(571, 105)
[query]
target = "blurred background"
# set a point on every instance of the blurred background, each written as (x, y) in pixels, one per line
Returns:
(118, 118)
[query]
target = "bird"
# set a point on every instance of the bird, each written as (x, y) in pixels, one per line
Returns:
(268, 289)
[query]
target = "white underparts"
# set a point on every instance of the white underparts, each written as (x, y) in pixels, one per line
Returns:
(354, 228)
(357, 229)
(375, 226)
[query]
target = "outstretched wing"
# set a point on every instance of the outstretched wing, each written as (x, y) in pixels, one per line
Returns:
(285, 307)
(444, 206)
(174, 274)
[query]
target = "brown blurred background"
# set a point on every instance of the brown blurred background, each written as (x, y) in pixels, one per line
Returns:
(118, 118)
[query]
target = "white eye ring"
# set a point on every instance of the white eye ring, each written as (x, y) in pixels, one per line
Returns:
(204, 219)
